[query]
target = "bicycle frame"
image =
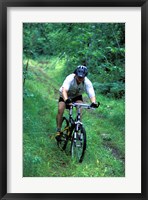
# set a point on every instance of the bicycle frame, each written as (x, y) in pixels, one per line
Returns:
(77, 122)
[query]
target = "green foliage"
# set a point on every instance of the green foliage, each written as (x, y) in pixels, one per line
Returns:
(100, 46)
(115, 89)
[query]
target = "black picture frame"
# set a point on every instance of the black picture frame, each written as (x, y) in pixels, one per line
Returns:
(4, 4)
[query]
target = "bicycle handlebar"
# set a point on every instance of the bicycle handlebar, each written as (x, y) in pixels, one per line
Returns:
(84, 105)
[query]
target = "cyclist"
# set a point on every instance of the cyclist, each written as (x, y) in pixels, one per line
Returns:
(71, 91)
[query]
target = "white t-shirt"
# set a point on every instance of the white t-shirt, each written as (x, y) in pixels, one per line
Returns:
(75, 89)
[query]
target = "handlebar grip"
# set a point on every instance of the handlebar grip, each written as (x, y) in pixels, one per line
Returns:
(95, 105)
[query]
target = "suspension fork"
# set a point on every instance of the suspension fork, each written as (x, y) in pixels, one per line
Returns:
(71, 121)
(78, 119)
(75, 124)
(78, 125)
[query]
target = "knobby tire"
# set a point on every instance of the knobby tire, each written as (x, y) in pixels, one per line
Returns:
(64, 138)
(78, 146)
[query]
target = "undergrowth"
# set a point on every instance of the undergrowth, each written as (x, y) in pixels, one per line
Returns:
(105, 128)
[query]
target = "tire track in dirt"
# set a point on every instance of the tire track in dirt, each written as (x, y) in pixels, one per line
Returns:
(45, 79)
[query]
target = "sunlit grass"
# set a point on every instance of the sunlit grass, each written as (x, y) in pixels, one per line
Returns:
(104, 126)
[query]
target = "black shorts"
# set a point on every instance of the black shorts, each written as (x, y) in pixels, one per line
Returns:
(73, 99)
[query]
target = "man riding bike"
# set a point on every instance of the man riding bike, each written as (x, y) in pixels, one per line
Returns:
(72, 89)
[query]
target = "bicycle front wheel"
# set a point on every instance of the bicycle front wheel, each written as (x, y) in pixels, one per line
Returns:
(78, 144)
(64, 134)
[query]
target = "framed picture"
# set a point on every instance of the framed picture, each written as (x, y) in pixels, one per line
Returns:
(41, 44)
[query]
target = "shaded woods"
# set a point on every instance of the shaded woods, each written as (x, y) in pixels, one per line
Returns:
(101, 47)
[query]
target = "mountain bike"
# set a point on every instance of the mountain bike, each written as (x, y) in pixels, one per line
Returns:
(73, 130)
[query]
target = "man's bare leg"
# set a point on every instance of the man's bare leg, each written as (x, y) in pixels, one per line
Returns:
(61, 108)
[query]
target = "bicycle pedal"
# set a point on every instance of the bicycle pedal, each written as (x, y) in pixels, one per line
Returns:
(58, 138)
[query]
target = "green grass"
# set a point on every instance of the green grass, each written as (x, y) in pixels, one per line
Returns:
(104, 126)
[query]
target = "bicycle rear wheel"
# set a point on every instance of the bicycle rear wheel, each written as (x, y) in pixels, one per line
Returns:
(78, 144)
(64, 134)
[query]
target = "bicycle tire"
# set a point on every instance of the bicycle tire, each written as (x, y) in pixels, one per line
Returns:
(78, 145)
(64, 134)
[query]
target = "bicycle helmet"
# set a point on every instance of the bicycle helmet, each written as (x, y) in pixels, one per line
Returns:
(81, 71)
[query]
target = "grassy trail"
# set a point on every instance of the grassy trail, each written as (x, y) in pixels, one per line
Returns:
(105, 130)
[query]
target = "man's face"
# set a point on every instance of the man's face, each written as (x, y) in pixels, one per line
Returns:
(79, 79)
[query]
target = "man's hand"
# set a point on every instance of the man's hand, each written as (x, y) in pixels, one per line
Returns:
(68, 102)
(94, 105)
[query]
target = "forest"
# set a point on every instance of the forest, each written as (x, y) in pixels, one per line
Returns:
(51, 51)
